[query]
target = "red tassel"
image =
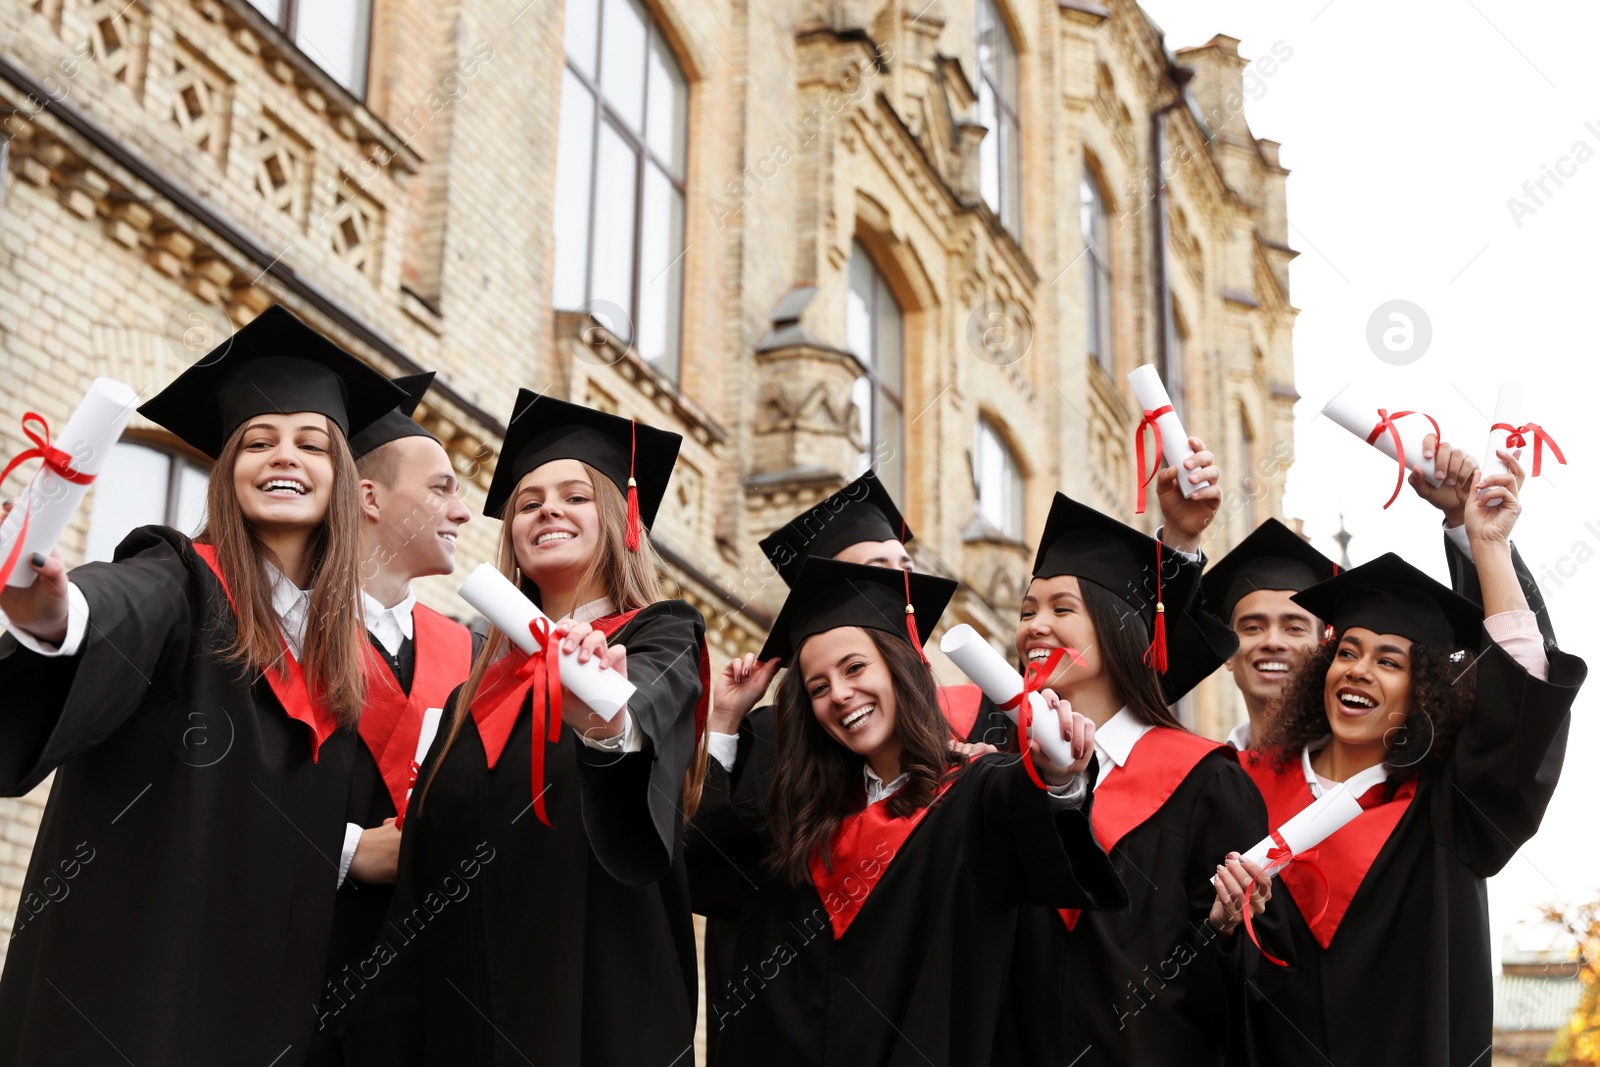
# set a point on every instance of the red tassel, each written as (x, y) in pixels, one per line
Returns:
(911, 622)
(635, 525)
(1156, 655)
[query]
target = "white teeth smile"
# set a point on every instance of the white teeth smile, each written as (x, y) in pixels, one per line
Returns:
(1273, 667)
(279, 484)
(554, 535)
(856, 716)
(1352, 700)
(448, 536)
(1039, 655)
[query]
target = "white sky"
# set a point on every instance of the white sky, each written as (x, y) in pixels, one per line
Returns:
(1407, 127)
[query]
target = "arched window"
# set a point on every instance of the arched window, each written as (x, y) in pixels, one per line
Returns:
(142, 485)
(997, 478)
(1000, 156)
(333, 34)
(1095, 218)
(620, 162)
(1173, 372)
(872, 332)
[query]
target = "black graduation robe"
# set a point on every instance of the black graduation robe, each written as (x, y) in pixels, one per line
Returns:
(918, 975)
(1153, 983)
(178, 903)
(510, 941)
(1406, 976)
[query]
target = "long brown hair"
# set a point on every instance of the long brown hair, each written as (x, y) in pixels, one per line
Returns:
(1123, 636)
(334, 650)
(817, 781)
(630, 582)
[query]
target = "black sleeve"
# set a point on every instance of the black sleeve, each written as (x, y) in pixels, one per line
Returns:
(142, 611)
(632, 804)
(1498, 779)
(1198, 642)
(1464, 580)
(1025, 851)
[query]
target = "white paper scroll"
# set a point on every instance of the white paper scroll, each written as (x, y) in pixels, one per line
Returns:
(1174, 438)
(1321, 819)
(604, 691)
(1001, 683)
(50, 501)
(430, 727)
(1508, 412)
(1359, 414)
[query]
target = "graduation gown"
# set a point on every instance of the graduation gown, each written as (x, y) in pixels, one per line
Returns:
(1153, 983)
(400, 690)
(510, 941)
(918, 975)
(1411, 946)
(178, 902)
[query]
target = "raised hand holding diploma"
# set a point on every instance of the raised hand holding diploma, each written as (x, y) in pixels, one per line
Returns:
(1171, 440)
(1185, 515)
(1453, 470)
(1000, 682)
(1397, 434)
(40, 608)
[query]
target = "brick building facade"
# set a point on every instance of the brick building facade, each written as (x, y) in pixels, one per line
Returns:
(811, 235)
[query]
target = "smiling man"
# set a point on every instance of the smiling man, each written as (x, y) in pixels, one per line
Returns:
(1251, 588)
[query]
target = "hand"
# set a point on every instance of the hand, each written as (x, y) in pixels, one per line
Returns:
(588, 643)
(1079, 729)
(377, 858)
(41, 608)
(1184, 519)
(1233, 880)
(1493, 511)
(972, 749)
(741, 683)
(1455, 469)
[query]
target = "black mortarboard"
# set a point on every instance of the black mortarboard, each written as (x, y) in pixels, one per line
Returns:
(637, 458)
(1082, 542)
(396, 423)
(276, 364)
(1390, 596)
(1272, 557)
(828, 594)
(861, 511)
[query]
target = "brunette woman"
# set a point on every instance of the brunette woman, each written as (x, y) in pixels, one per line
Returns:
(193, 698)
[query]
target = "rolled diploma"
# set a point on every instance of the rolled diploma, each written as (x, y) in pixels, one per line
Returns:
(1507, 409)
(1357, 415)
(1318, 821)
(1174, 438)
(605, 691)
(51, 501)
(1001, 683)
(430, 726)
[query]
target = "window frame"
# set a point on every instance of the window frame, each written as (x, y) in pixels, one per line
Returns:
(179, 457)
(287, 23)
(1008, 149)
(1100, 332)
(1013, 525)
(871, 364)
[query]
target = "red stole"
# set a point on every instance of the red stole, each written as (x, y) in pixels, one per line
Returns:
(865, 844)
(961, 704)
(391, 722)
(1157, 765)
(289, 683)
(1345, 857)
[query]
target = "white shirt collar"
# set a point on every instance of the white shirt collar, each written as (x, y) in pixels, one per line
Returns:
(876, 790)
(1357, 783)
(292, 605)
(594, 609)
(391, 626)
(1115, 740)
(1239, 736)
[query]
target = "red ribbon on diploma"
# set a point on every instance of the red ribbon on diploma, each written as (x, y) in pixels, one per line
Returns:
(1283, 854)
(1033, 680)
(1540, 439)
(1139, 475)
(59, 462)
(1387, 421)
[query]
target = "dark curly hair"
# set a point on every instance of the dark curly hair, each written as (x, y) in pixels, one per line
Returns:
(1443, 684)
(817, 781)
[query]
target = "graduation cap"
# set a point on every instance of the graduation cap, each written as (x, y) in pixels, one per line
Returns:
(1390, 596)
(861, 511)
(277, 364)
(829, 594)
(396, 423)
(638, 459)
(1082, 542)
(1272, 557)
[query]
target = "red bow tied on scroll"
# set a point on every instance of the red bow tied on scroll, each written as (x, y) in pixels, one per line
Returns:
(1033, 680)
(1387, 421)
(1282, 854)
(1516, 437)
(56, 461)
(543, 669)
(1139, 475)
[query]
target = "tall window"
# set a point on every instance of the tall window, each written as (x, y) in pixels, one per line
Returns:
(1095, 218)
(620, 176)
(141, 485)
(335, 34)
(998, 481)
(1173, 368)
(872, 331)
(999, 157)
(1249, 485)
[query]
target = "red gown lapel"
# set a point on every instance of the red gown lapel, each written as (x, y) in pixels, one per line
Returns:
(1157, 765)
(961, 704)
(1345, 857)
(288, 683)
(864, 846)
